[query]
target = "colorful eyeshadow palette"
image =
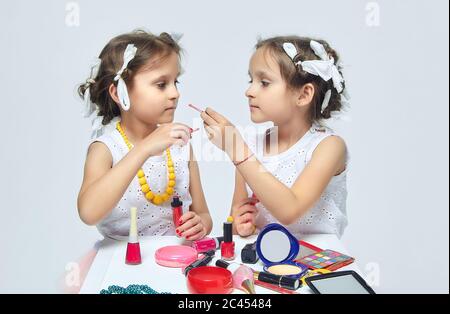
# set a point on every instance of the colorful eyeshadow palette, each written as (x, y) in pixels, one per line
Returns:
(326, 259)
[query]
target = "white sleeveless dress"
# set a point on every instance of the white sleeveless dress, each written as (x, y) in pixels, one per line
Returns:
(152, 220)
(328, 215)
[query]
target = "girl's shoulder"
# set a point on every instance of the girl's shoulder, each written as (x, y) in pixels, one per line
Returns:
(329, 143)
(325, 136)
(108, 143)
(332, 144)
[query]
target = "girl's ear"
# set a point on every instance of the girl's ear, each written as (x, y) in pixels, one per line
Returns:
(113, 93)
(306, 95)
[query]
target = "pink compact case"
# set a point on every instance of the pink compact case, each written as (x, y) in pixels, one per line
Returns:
(176, 256)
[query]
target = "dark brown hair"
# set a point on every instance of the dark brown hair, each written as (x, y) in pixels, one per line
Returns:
(295, 77)
(148, 46)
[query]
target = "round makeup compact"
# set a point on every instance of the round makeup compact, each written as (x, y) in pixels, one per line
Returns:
(175, 256)
(209, 280)
(277, 248)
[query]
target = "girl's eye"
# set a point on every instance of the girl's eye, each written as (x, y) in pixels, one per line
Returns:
(163, 85)
(265, 83)
(250, 82)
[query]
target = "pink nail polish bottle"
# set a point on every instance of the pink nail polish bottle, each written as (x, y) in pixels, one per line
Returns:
(133, 256)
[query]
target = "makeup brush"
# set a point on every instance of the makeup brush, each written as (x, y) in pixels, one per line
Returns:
(195, 108)
(243, 278)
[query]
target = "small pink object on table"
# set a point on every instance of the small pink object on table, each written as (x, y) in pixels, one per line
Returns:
(177, 256)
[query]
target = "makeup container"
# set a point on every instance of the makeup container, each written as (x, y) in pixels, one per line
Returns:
(248, 254)
(133, 255)
(277, 248)
(177, 256)
(327, 259)
(209, 280)
(227, 246)
(207, 244)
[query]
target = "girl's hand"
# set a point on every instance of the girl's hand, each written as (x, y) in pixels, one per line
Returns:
(165, 136)
(222, 133)
(191, 227)
(244, 215)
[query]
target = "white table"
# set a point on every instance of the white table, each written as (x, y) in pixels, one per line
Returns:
(109, 268)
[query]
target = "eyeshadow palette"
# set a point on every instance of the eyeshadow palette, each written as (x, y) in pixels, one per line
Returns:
(326, 259)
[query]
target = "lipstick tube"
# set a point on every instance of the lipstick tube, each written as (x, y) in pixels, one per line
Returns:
(227, 246)
(201, 262)
(280, 281)
(133, 256)
(207, 244)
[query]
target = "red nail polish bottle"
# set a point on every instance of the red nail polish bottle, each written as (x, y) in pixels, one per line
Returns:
(133, 256)
(227, 246)
(177, 210)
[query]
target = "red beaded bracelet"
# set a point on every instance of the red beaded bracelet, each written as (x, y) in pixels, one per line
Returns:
(242, 161)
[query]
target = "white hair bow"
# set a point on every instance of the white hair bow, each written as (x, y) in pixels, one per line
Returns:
(325, 68)
(91, 109)
(122, 92)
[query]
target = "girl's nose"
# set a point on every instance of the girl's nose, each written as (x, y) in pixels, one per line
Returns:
(249, 92)
(174, 93)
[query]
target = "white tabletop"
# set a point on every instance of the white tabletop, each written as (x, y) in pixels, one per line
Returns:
(109, 268)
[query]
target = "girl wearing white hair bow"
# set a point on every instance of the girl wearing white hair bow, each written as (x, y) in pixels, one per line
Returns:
(139, 157)
(297, 169)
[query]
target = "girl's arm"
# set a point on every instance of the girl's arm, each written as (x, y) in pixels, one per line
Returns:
(103, 185)
(288, 204)
(242, 211)
(101, 179)
(240, 192)
(285, 204)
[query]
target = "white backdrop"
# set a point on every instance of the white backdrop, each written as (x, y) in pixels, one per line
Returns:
(396, 66)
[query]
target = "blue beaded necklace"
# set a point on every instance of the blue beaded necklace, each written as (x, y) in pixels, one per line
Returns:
(131, 289)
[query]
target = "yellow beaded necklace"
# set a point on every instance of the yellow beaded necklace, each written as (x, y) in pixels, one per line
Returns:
(156, 199)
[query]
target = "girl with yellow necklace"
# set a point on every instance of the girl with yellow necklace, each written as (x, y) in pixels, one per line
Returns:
(146, 159)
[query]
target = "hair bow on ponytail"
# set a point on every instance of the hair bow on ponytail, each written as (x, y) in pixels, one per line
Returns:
(325, 68)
